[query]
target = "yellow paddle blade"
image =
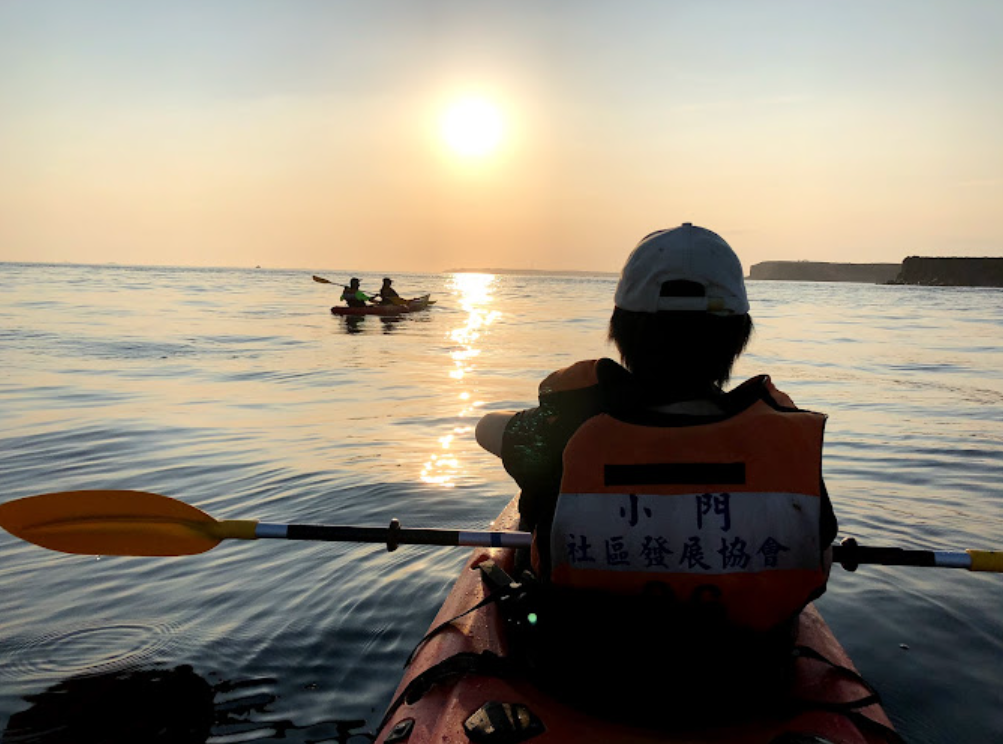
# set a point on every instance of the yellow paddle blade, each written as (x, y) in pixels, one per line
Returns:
(110, 523)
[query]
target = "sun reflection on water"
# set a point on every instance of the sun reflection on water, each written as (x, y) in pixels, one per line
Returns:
(473, 293)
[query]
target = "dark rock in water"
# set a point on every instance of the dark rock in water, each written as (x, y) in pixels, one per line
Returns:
(951, 272)
(153, 706)
(162, 706)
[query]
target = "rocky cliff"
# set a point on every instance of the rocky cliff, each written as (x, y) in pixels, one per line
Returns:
(951, 272)
(817, 271)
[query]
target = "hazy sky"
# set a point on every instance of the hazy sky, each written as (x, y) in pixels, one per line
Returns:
(308, 134)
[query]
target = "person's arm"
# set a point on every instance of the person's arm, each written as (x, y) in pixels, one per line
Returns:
(491, 429)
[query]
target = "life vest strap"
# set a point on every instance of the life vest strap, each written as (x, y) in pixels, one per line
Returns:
(502, 587)
(485, 663)
(450, 669)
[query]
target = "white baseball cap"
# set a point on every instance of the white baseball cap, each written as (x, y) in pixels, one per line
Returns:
(686, 253)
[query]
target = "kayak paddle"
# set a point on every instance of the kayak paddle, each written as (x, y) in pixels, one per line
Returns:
(148, 524)
(322, 280)
(140, 523)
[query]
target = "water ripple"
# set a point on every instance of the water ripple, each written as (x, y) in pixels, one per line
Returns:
(95, 647)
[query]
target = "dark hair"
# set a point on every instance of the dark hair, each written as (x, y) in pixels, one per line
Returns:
(683, 350)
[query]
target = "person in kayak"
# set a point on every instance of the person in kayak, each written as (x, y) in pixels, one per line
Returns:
(353, 295)
(702, 511)
(388, 295)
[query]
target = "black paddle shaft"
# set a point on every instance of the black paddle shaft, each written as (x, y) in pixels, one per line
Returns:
(391, 536)
(850, 555)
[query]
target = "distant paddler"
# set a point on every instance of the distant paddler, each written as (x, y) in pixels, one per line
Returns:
(388, 295)
(354, 296)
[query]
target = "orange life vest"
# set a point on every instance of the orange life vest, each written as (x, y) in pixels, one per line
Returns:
(725, 509)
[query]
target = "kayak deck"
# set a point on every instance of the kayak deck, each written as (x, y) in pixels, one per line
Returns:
(439, 714)
(414, 305)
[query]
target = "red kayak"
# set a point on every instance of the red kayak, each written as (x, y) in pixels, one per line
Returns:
(449, 695)
(418, 303)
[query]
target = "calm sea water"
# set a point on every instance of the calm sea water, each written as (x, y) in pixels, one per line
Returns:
(236, 391)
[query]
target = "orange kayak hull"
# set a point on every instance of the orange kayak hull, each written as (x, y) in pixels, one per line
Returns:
(439, 715)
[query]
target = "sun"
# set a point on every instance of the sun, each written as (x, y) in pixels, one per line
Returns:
(472, 127)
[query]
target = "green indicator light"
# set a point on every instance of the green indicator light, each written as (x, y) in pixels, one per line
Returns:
(531, 617)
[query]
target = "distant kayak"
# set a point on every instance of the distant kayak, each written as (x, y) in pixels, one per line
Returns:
(414, 305)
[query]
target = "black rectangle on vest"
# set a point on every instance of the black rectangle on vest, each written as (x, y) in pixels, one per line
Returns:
(675, 473)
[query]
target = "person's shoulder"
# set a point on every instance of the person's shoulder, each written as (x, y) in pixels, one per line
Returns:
(778, 395)
(577, 376)
(762, 386)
